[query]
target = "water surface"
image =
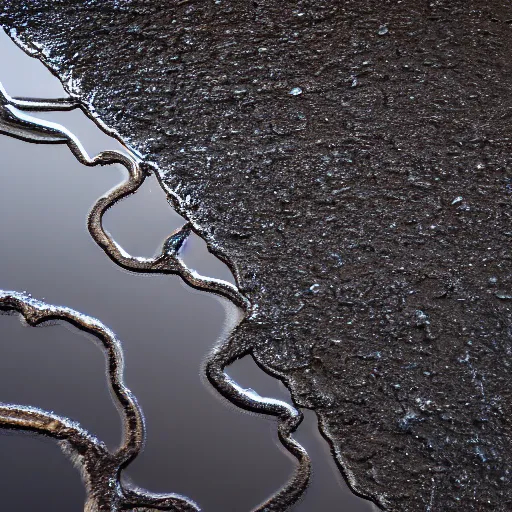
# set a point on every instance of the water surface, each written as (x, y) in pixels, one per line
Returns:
(198, 444)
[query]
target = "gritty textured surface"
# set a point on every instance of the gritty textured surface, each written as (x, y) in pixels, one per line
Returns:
(352, 160)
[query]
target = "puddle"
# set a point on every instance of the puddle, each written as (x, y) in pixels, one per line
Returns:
(22, 70)
(197, 444)
(327, 490)
(85, 129)
(58, 369)
(146, 213)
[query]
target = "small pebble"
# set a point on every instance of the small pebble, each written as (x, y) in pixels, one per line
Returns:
(296, 91)
(383, 30)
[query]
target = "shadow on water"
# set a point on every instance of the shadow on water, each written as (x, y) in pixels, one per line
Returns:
(197, 444)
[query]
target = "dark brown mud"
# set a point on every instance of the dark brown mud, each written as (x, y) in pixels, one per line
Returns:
(352, 161)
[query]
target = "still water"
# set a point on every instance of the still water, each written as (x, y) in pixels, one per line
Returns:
(198, 444)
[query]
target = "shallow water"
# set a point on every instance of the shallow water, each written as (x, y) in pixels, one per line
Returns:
(35, 476)
(192, 435)
(198, 444)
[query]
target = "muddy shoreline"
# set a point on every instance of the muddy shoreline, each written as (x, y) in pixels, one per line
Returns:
(351, 161)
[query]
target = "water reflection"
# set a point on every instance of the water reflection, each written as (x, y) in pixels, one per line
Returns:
(148, 208)
(40, 364)
(26, 76)
(196, 256)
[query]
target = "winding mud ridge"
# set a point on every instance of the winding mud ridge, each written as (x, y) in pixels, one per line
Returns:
(351, 159)
(101, 469)
(24, 127)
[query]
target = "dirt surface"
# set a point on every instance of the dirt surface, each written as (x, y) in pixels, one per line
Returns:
(352, 161)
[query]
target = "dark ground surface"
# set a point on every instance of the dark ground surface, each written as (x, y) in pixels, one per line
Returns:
(368, 217)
